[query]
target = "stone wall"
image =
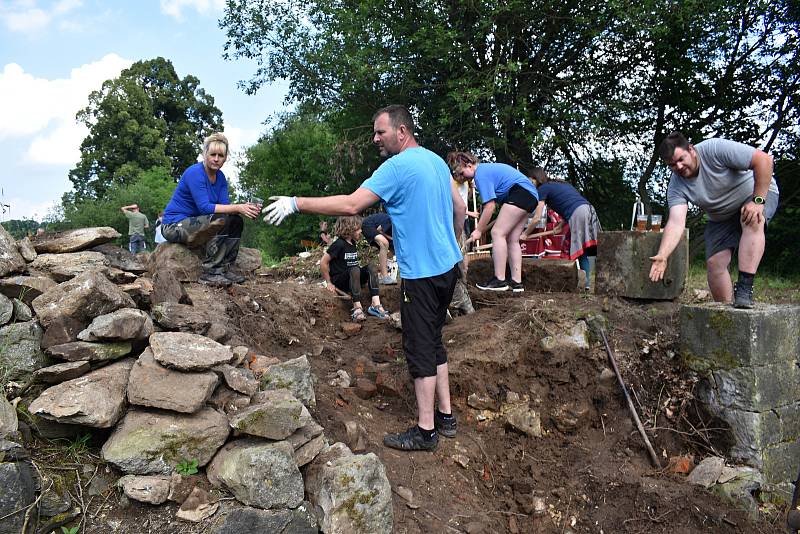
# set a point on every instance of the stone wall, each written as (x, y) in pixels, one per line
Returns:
(749, 361)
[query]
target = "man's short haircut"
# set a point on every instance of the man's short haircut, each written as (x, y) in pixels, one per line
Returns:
(347, 226)
(213, 139)
(398, 115)
(674, 140)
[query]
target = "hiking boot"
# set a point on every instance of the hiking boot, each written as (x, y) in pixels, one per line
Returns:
(213, 279)
(234, 277)
(204, 235)
(516, 287)
(493, 285)
(411, 440)
(446, 427)
(742, 296)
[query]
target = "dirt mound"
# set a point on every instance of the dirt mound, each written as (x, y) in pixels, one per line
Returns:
(588, 472)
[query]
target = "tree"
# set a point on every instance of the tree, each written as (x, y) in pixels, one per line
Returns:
(147, 117)
(556, 83)
(151, 191)
(297, 158)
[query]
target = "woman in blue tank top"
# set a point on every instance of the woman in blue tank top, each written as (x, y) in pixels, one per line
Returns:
(502, 184)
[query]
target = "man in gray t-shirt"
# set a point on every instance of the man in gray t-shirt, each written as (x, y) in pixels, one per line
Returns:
(733, 184)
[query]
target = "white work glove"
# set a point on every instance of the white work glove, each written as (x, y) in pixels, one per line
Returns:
(281, 208)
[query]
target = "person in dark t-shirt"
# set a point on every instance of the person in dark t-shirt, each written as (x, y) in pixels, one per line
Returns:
(341, 270)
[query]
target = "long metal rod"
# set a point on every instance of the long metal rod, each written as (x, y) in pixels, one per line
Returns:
(631, 407)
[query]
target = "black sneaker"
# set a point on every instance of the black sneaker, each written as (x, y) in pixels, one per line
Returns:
(411, 440)
(742, 296)
(446, 427)
(211, 279)
(234, 277)
(493, 285)
(516, 287)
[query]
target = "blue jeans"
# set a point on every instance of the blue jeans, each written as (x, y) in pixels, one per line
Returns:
(136, 244)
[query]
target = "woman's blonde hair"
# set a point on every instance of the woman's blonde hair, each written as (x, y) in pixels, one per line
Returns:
(347, 226)
(456, 161)
(216, 138)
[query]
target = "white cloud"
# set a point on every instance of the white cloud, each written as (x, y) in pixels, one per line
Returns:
(25, 16)
(174, 8)
(45, 109)
(24, 208)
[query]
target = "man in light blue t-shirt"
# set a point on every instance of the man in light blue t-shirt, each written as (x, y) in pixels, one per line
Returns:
(733, 184)
(427, 216)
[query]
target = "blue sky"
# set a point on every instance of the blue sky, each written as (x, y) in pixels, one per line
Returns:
(53, 53)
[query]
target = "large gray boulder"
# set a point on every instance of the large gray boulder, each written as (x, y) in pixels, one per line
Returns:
(18, 480)
(350, 493)
(8, 418)
(55, 374)
(63, 267)
(177, 259)
(74, 240)
(11, 261)
(62, 330)
(294, 375)
(25, 288)
(76, 351)
(254, 521)
(152, 385)
(121, 325)
(258, 473)
(96, 399)
(83, 298)
(6, 309)
(168, 289)
(248, 259)
(21, 352)
(152, 489)
(121, 258)
(239, 379)
(188, 352)
(155, 442)
(182, 317)
(273, 415)
(26, 249)
(22, 312)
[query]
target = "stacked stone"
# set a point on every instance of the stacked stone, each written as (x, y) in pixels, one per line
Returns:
(750, 364)
(172, 393)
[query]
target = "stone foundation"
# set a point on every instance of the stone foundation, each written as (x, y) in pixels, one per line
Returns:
(749, 361)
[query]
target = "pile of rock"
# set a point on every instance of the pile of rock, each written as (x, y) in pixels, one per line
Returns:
(135, 356)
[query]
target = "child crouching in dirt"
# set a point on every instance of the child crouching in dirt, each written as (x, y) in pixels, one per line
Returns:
(342, 273)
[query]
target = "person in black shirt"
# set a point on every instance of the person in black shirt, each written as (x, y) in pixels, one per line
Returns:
(340, 268)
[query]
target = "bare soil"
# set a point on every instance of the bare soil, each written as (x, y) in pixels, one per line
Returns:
(590, 468)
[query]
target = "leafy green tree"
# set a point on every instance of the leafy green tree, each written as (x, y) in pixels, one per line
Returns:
(296, 158)
(556, 83)
(19, 228)
(151, 191)
(147, 117)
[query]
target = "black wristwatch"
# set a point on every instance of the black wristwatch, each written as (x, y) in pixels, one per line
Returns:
(759, 200)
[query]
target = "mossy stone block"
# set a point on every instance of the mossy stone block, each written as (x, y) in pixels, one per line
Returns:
(719, 336)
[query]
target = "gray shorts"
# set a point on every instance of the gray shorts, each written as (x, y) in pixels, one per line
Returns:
(723, 235)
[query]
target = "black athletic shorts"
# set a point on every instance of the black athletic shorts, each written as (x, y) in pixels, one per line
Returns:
(522, 198)
(423, 311)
